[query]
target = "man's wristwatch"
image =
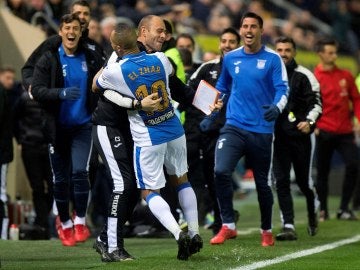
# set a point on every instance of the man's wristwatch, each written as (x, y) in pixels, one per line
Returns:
(138, 105)
(311, 122)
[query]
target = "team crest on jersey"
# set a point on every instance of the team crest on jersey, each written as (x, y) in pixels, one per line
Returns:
(84, 66)
(260, 64)
(343, 86)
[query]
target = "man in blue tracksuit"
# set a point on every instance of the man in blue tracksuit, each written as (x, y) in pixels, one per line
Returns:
(254, 79)
(61, 84)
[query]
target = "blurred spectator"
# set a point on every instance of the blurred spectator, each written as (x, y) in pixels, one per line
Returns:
(34, 154)
(186, 58)
(322, 11)
(58, 8)
(341, 27)
(186, 41)
(354, 9)
(210, 55)
(299, 27)
(136, 10)
(95, 31)
(257, 6)
(270, 32)
(218, 19)
(200, 10)
(106, 26)
(41, 14)
(180, 11)
(18, 8)
(235, 10)
(7, 78)
(170, 50)
(107, 10)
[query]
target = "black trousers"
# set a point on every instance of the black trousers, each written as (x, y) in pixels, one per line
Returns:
(37, 166)
(344, 144)
(298, 152)
(115, 148)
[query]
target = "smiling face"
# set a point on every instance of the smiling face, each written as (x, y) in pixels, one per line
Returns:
(70, 32)
(286, 50)
(250, 32)
(84, 15)
(228, 42)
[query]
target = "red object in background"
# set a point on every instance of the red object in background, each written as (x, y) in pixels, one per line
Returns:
(19, 212)
(248, 175)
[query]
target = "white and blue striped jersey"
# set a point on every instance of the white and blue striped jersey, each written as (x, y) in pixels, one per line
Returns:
(137, 76)
(252, 81)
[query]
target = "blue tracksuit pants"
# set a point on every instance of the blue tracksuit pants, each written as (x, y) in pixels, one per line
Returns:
(232, 144)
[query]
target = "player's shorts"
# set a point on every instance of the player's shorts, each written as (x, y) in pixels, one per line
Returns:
(149, 162)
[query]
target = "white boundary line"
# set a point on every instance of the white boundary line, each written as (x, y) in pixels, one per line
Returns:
(299, 254)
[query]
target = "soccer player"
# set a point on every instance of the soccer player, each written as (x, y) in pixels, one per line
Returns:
(254, 77)
(158, 137)
(201, 169)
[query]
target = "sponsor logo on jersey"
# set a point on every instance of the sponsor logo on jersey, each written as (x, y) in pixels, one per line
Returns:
(160, 119)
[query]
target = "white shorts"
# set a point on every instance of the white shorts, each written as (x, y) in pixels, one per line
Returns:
(149, 162)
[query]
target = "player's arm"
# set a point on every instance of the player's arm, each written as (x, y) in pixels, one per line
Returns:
(149, 103)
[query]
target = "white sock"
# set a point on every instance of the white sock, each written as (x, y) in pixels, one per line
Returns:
(79, 220)
(4, 229)
(67, 224)
(188, 203)
(289, 226)
(161, 211)
(231, 226)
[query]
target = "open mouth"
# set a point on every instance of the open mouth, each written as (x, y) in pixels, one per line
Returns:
(249, 37)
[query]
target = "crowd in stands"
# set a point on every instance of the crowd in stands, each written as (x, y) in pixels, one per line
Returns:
(303, 20)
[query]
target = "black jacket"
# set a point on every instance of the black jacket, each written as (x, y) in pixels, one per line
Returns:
(28, 118)
(304, 100)
(6, 146)
(48, 81)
